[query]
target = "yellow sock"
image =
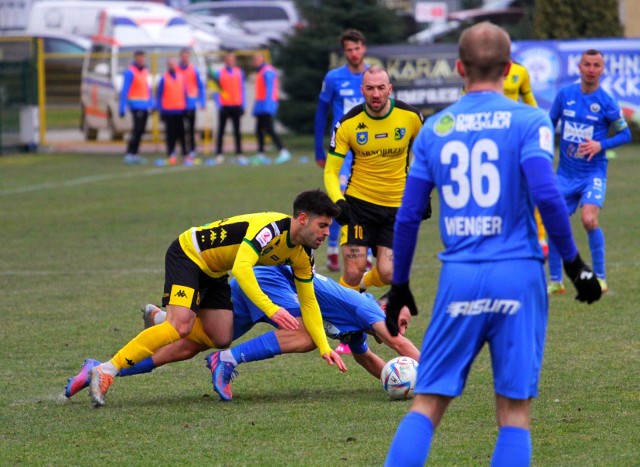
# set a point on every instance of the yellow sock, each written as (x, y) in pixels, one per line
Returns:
(344, 284)
(198, 335)
(145, 344)
(372, 278)
(542, 233)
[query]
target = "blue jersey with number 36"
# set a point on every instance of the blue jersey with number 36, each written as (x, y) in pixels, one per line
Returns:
(472, 152)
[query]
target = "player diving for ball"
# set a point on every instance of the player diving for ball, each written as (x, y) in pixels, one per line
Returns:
(348, 316)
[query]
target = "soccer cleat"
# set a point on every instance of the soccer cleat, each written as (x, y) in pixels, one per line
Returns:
(149, 312)
(283, 157)
(260, 159)
(603, 285)
(189, 161)
(173, 160)
(242, 160)
(219, 159)
(221, 375)
(545, 248)
(333, 263)
(556, 288)
(99, 385)
(80, 381)
(343, 349)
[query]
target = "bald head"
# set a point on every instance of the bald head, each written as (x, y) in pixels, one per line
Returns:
(485, 51)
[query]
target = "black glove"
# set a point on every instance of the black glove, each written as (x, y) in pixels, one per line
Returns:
(400, 295)
(584, 279)
(344, 217)
(427, 211)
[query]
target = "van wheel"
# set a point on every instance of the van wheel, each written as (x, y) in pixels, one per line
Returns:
(113, 134)
(90, 134)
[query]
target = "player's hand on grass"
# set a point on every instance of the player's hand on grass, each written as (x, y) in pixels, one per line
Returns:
(400, 295)
(584, 279)
(284, 320)
(344, 217)
(332, 357)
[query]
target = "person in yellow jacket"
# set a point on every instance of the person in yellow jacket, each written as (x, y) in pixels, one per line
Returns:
(196, 281)
(517, 86)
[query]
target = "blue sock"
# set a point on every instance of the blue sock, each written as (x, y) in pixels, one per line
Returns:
(258, 348)
(412, 441)
(513, 448)
(555, 263)
(596, 245)
(145, 366)
(334, 235)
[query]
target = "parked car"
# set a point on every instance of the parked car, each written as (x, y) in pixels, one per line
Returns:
(279, 17)
(231, 33)
(63, 55)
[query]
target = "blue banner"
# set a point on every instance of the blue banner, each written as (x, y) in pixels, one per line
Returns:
(554, 64)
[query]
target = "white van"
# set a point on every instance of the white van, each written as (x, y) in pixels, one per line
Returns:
(120, 32)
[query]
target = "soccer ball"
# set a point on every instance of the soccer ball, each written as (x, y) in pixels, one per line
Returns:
(398, 377)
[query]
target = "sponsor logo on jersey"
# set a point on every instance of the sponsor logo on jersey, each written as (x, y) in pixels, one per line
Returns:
(347, 92)
(344, 84)
(381, 135)
(399, 133)
(499, 120)
(592, 117)
(483, 305)
(362, 137)
(571, 102)
(575, 132)
(444, 125)
(361, 126)
(595, 108)
(264, 237)
(569, 113)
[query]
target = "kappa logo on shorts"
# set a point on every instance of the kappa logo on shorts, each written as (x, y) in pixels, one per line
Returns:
(180, 294)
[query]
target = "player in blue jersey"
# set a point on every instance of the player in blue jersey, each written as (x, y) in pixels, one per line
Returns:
(586, 113)
(491, 161)
(340, 93)
(348, 316)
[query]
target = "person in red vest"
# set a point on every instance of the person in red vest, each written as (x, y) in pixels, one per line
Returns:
(172, 103)
(195, 99)
(265, 107)
(230, 100)
(136, 95)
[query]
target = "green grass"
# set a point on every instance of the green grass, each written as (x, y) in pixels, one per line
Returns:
(83, 242)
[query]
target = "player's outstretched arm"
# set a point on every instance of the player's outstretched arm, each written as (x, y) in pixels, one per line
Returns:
(400, 295)
(399, 343)
(333, 358)
(370, 362)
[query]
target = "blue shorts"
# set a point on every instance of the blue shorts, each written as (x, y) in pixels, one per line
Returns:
(501, 303)
(587, 189)
(246, 314)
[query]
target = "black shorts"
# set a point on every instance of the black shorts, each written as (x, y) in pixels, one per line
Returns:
(372, 224)
(185, 284)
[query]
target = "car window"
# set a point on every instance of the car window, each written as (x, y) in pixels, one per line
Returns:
(61, 46)
(255, 13)
(99, 60)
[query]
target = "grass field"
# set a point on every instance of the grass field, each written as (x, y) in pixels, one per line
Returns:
(83, 243)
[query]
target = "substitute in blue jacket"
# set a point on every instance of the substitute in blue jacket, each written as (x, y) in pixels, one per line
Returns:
(172, 103)
(195, 99)
(348, 316)
(586, 113)
(491, 161)
(341, 91)
(136, 96)
(267, 97)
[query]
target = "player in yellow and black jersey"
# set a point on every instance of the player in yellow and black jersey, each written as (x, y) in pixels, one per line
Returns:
(379, 133)
(196, 273)
(517, 85)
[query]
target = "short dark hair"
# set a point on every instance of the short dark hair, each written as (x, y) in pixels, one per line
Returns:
(138, 53)
(315, 203)
(485, 50)
(352, 35)
(592, 52)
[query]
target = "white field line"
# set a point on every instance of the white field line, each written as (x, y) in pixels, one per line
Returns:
(90, 179)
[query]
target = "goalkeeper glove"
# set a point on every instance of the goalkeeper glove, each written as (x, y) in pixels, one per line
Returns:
(344, 217)
(400, 295)
(427, 211)
(584, 279)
